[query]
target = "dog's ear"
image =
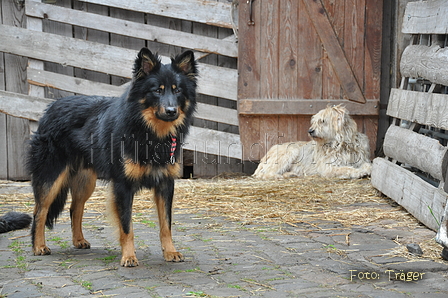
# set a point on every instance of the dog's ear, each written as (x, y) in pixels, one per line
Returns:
(341, 112)
(145, 63)
(185, 64)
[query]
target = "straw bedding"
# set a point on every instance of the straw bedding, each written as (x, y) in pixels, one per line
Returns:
(276, 202)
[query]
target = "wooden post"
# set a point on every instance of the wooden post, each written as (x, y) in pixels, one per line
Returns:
(16, 130)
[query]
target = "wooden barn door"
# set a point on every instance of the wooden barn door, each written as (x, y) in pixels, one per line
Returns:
(295, 57)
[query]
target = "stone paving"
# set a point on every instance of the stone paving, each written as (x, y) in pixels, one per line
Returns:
(223, 259)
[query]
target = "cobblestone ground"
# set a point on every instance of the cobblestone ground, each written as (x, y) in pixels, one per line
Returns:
(223, 259)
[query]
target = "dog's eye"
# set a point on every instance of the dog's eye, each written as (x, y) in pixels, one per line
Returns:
(158, 91)
(176, 90)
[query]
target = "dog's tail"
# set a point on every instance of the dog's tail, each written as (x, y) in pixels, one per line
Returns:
(14, 221)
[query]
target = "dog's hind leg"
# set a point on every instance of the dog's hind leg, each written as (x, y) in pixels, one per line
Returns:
(163, 197)
(82, 186)
(281, 159)
(50, 199)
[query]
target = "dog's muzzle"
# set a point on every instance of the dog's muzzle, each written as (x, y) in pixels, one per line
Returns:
(312, 132)
(168, 113)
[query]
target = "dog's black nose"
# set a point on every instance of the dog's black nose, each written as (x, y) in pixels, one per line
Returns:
(311, 132)
(171, 111)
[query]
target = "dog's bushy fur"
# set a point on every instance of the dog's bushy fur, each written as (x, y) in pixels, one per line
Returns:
(131, 141)
(337, 149)
(14, 221)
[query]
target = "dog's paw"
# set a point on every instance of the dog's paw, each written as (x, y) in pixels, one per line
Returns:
(364, 171)
(288, 175)
(130, 261)
(42, 250)
(367, 168)
(81, 244)
(173, 256)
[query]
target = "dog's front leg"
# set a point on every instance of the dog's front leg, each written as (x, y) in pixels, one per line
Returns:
(163, 196)
(121, 207)
(346, 172)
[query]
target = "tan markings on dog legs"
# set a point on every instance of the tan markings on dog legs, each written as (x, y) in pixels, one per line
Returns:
(169, 251)
(128, 257)
(48, 195)
(82, 187)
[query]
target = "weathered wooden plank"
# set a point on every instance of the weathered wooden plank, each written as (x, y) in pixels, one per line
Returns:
(269, 49)
(125, 41)
(14, 65)
(420, 107)
(310, 53)
(417, 196)
(206, 164)
(331, 88)
(288, 64)
(168, 23)
(35, 25)
(226, 164)
(430, 63)
(213, 142)
(354, 38)
(2, 65)
(17, 130)
(302, 106)
(67, 51)
(289, 42)
(23, 106)
(249, 74)
(17, 136)
(3, 148)
(417, 150)
(373, 44)
(288, 70)
(103, 58)
(249, 51)
(426, 17)
(288, 128)
(93, 35)
(128, 28)
(51, 26)
(334, 50)
(218, 81)
(72, 84)
(250, 136)
(217, 114)
(369, 126)
(201, 11)
(269, 134)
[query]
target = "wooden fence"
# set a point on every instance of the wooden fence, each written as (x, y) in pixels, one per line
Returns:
(414, 172)
(88, 47)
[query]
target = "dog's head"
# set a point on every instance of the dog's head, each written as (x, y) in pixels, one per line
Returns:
(166, 92)
(332, 124)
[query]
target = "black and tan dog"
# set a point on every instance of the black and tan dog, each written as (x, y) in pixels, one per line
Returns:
(132, 141)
